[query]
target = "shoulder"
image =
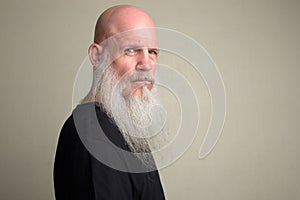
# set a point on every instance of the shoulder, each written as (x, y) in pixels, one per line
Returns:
(70, 149)
(69, 141)
(68, 131)
(69, 125)
(72, 174)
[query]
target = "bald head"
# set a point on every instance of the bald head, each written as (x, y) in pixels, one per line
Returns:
(119, 19)
(125, 41)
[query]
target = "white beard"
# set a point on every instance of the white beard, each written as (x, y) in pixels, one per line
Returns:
(139, 117)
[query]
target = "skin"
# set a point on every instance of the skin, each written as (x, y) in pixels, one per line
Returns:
(140, 48)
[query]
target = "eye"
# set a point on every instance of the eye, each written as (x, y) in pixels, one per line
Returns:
(153, 52)
(130, 51)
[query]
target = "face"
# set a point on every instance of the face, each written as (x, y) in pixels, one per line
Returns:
(136, 52)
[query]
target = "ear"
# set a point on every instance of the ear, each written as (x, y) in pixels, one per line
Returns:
(94, 52)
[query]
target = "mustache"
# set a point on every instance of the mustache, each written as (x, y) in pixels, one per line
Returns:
(141, 76)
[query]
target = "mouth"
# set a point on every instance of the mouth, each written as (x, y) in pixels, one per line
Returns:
(143, 82)
(137, 85)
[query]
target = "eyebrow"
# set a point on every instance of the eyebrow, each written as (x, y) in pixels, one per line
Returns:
(138, 47)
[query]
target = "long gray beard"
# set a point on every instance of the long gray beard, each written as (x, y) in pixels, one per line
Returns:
(139, 118)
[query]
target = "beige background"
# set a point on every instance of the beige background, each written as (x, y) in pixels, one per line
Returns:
(256, 46)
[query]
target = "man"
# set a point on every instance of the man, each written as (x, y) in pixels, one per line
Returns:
(124, 54)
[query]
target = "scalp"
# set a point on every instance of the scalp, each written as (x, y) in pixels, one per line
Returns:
(118, 19)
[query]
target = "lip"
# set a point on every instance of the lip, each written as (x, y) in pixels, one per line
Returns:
(144, 82)
(136, 85)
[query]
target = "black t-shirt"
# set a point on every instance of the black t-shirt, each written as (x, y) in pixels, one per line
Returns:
(79, 176)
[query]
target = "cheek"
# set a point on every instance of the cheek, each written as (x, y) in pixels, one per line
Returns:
(122, 66)
(153, 70)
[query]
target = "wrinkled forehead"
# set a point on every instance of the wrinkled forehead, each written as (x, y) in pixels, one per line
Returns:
(137, 38)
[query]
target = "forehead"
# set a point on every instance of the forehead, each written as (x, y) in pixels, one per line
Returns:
(145, 37)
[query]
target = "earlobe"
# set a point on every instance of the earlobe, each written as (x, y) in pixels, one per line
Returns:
(94, 52)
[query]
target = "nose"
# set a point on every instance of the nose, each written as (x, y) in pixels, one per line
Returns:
(144, 62)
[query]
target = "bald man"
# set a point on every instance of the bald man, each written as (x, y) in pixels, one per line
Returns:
(123, 93)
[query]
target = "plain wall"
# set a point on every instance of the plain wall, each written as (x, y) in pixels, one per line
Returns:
(256, 46)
